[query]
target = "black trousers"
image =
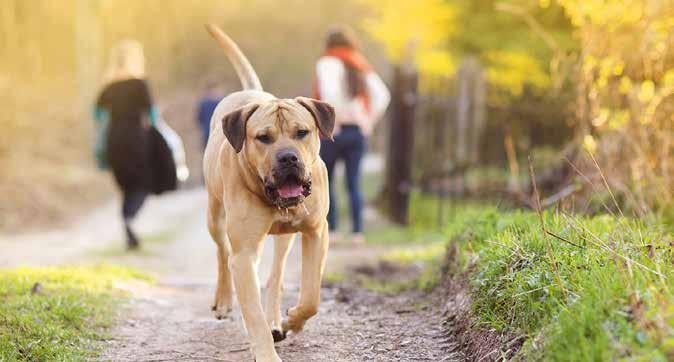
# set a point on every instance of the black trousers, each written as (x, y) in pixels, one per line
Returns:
(131, 203)
(349, 145)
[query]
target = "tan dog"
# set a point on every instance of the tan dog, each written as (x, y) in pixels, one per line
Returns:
(264, 176)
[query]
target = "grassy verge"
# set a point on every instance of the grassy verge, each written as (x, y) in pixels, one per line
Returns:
(600, 288)
(57, 313)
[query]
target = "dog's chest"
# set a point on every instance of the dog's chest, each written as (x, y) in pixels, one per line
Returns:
(288, 220)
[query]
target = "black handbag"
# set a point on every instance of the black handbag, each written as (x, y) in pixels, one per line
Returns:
(162, 163)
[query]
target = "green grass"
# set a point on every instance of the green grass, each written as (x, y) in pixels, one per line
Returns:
(427, 224)
(600, 300)
(604, 292)
(421, 254)
(65, 319)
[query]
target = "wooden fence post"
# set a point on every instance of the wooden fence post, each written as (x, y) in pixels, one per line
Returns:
(401, 143)
(469, 122)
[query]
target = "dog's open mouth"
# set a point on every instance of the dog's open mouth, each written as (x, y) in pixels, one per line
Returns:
(289, 192)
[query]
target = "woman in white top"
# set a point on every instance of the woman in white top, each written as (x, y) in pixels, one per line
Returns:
(346, 80)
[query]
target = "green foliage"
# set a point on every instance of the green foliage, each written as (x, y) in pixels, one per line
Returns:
(598, 290)
(515, 54)
(516, 39)
(64, 318)
(601, 293)
(512, 70)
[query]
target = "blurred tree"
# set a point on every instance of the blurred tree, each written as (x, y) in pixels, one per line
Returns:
(518, 39)
(427, 23)
(625, 94)
(526, 47)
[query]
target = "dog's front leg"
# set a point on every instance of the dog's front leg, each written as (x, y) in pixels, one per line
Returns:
(223, 293)
(274, 292)
(246, 247)
(314, 253)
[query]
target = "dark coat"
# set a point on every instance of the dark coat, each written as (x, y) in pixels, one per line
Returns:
(139, 157)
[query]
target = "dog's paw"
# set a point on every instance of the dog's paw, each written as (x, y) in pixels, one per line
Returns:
(278, 334)
(221, 312)
(289, 324)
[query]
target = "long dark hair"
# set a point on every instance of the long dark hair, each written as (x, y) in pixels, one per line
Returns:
(344, 37)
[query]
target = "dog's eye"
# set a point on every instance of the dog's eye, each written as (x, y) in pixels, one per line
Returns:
(302, 133)
(264, 138)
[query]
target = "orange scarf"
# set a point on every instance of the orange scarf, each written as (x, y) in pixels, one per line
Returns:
(352, 58)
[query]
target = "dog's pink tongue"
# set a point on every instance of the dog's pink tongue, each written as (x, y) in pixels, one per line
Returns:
(288, 191)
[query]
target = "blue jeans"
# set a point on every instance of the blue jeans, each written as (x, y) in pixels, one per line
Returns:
(349, 145)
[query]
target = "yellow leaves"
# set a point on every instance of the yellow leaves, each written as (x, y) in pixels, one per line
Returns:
(668, 78)
(604, 12)
(436, 63)
(590, 144)
(626, 48)
(602, 117)
(618, 119)
(423, 25)
(512, 70)
(625, 85)
(589, 63)
(612, 118)
(609, 67)
(618, 67)
(606, 68)
(647, 91)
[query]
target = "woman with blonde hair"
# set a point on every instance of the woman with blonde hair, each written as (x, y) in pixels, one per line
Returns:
(127, 142)
(345, 79)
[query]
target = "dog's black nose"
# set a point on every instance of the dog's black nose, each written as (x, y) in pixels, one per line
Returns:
(287, 157)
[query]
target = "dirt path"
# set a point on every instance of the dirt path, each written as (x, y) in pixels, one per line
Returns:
(171, 321)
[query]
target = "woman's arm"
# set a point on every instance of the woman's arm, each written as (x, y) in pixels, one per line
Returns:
(100, 112)
(154, 115)
(330, 76)
(101, 119)
(379, 95)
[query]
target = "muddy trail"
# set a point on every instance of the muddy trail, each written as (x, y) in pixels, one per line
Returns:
(171, 319)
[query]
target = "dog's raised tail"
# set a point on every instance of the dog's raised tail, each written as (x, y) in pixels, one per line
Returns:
(244, 70)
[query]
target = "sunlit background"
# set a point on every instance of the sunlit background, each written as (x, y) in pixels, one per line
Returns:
(561, 77)
(521, 105)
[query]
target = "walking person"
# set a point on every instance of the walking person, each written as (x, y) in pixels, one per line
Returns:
(345, 79)
(127, 142)
(207, 105)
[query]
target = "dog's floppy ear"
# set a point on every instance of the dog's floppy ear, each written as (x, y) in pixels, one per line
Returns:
(234, 125)
(323, 112)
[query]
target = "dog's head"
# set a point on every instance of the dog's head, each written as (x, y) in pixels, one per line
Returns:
(279, 140)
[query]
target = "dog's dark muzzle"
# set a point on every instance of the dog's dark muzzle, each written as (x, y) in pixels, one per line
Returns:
(289, 184)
